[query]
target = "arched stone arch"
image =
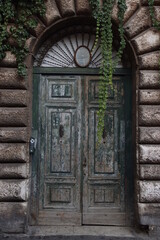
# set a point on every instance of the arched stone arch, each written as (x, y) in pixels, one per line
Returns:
(16, 104)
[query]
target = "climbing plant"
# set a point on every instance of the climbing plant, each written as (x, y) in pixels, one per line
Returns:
(17, 20)
(102, 12)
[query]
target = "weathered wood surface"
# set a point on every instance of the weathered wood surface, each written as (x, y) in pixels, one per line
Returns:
(68, 120)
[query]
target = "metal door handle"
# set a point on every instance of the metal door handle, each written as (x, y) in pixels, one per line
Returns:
(61, 131)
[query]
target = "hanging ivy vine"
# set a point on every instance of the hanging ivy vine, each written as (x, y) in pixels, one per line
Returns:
(102, 12)
(17, 19)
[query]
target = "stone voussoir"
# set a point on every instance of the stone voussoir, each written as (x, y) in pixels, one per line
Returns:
(149, 115)
(149, 96)
(149, 135)
(149, 191)
(150, 171)
(14, 135)
(149, 79)
(13, 117)
(52, 13)
(149, 61)
(14, 170)
(9, 79)
(38, 29)
(146, 42)
(13, 98)
(13, 190)
(149, 153)
(14, 152)
(82, 7)
(66, 7)
(132, 6)
(139, 22)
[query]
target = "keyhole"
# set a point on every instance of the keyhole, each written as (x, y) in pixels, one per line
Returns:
(104, 135)
(61, 131)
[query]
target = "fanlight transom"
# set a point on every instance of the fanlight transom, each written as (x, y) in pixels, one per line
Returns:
(74, 50)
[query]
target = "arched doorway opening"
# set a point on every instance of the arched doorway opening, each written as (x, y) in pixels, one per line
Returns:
(74, 183)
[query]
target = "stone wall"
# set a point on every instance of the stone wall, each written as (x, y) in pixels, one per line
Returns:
(15, 113)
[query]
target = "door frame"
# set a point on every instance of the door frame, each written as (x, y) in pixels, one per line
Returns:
(126, 73)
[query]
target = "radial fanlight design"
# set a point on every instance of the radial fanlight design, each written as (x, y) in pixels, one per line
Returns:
(73, 50)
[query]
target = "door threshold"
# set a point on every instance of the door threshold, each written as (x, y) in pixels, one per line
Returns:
(105, 231)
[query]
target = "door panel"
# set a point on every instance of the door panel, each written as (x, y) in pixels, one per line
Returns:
(60, 129)
(103, 185)
(77, 183)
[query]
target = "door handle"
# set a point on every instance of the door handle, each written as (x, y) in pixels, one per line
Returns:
(61, 131)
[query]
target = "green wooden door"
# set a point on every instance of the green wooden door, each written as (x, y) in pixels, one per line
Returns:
(73, 182)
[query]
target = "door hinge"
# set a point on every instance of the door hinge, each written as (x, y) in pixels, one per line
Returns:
(32, 145)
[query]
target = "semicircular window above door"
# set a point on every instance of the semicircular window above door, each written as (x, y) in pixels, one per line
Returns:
(73, 50)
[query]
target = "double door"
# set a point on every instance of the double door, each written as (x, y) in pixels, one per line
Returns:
(74, 181)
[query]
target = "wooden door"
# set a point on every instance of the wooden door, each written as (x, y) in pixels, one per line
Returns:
(73, 182)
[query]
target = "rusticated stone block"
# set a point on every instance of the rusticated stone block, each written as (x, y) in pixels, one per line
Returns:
(149, 61)
(14, 152)
(66, 7)
(9, 60)
(14, 135)
(149, 153)
(149, 115)
(138, 23)
(13, 170)
(149, 191)
(13, 190)
(82, 7)
(9, 79)
(13, 217)
(13, 98)
(52, 13)
(148, 41)
(149, 134)
(13, 117)
(149, 96)
(149, 79)
(132, 6)
(149, 213)
(150, 172)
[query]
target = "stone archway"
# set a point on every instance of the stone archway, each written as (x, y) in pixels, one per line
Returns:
(16, 104)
